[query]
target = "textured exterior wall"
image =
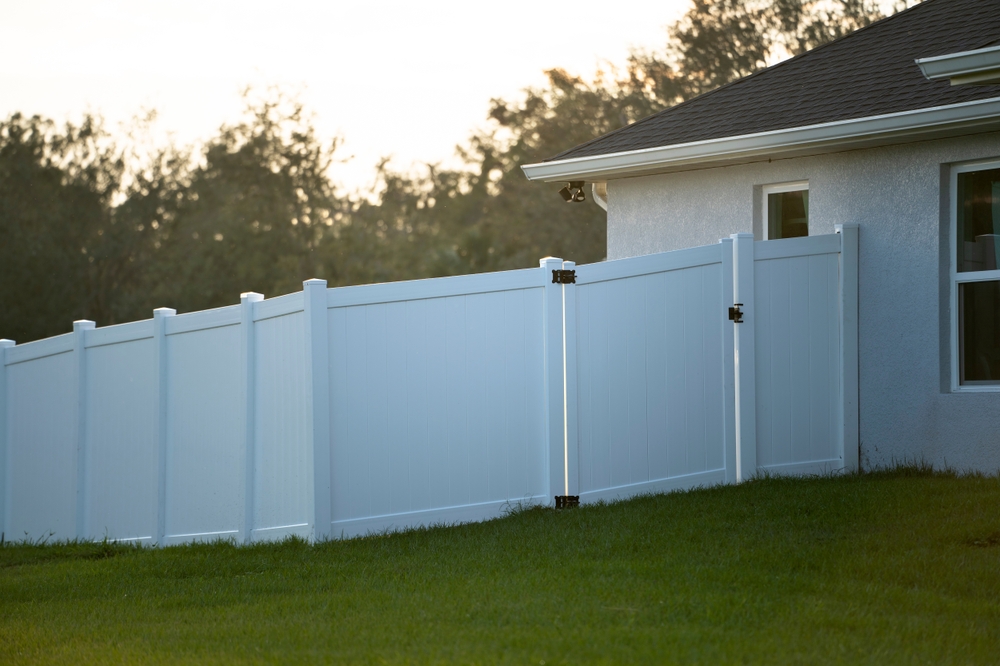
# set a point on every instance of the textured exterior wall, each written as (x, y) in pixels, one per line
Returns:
(899, 196)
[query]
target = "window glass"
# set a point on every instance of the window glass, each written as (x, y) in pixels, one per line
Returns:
(979, 324)
(978, 220)
(788, 214)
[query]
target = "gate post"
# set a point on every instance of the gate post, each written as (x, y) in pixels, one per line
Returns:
(160, 316)
(4, 346)
(80, 328)
(552, 343)
(743, 356)
(571, 445)
(318, 405)
(728, 362)
(248, 348)
(849, 424)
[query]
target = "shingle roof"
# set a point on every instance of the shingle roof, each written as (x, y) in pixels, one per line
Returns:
(867, 73)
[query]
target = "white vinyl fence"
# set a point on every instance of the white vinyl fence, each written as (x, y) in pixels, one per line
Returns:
(337, 412)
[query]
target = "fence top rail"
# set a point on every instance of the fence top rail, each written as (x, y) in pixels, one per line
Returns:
(443, 287)
(37, 349)
(797, 247)
(203, 320)
(279, 306)
(661, 262)
(112, 335)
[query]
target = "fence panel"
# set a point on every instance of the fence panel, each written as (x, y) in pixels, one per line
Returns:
(205, 437)
(797, 328)
(649, 359)
(283, 480)
(120, 433)
(42, 436)
(436, 400)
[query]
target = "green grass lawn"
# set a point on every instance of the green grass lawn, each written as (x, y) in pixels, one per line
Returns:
(896, 567)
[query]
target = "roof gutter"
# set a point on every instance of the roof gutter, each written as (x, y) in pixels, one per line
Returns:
(914, 125)
(981, 66)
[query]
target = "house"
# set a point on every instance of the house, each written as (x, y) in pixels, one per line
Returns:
(896, 128)
(341, 411)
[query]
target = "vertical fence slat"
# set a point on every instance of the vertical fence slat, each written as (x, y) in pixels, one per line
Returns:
(570, 387)
(248, 347)
(318, 404)
(849, 424)
(745, 402)
(80, 329)
(552, 313)
(4, 345)
(160, 316)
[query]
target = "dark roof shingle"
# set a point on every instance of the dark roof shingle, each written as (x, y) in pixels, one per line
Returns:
(867, 73)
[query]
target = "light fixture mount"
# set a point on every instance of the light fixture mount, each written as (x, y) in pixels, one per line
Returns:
(573, 192)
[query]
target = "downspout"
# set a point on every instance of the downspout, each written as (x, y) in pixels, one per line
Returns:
(600, 191)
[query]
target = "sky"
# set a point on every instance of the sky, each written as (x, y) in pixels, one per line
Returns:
(406, 80)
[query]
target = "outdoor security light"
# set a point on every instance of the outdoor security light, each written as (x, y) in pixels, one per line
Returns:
(573, 192)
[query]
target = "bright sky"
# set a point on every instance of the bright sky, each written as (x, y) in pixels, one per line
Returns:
(406, 79)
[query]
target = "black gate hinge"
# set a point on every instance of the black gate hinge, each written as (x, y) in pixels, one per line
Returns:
(566, 501)
(735, 314)
(563, 277)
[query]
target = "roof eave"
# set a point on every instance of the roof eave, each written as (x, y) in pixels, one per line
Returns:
(981, 66)
(918, 124)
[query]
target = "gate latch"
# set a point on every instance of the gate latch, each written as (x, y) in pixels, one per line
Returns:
(735, 314)
(563, 276)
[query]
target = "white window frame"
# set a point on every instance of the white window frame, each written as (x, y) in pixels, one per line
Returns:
(778, 188)
(957, 278)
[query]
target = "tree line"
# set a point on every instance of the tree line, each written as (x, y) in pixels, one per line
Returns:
(92, 229)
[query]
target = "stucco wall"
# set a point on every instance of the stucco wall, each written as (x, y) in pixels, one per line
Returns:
(899, 196)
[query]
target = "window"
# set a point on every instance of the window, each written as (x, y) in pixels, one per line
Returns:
(786, 210)
(975, 278)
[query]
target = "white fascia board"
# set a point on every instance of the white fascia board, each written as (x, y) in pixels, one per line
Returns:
(966, 67)
(953, 119)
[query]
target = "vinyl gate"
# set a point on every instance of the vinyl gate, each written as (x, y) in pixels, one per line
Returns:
(664, 391)
(335, 412)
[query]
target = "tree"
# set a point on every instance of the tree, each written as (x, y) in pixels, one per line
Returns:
(89, 229)
(718, 41)
(252, 214)
(64, 252)
(489, 217)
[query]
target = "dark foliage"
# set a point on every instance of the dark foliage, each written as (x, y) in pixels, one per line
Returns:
(87, 230)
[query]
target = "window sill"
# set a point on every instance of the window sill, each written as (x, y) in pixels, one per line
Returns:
(974, 388)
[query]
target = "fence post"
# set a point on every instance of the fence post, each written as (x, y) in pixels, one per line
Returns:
(160, 316)
(4, 345)
(552, 337)
(745, 399)
(318, 404)
(728, 361)
(248, 348)
(80, 329)
(571, 443)
(849, 425)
